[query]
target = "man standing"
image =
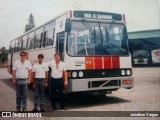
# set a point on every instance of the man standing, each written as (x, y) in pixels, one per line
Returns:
(20, 77)
(40, 81)
(58, 82)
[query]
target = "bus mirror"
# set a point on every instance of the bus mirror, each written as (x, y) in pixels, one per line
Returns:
(68, 25)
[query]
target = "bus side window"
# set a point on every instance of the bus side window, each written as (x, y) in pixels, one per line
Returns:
(24, 43)
(38, 41)
(30, 41)
(27, 44)
(19, 45)
(60, 43)
(44, 39)
(48, 37)
(15, 46)
(38, 37)
(10, 47)
(41, 40)
(53, 35)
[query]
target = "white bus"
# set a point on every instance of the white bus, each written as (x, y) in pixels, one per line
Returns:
(93, 45)
(155, 56)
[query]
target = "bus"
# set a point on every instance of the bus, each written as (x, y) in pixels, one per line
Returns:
(93, 45)
(144, 47)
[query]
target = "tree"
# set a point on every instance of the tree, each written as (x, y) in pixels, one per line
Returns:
(30, 24)
(3, 55)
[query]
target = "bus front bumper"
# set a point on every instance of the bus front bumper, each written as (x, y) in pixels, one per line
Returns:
(92, 84)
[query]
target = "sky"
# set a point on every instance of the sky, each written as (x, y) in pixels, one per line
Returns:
(140, 14)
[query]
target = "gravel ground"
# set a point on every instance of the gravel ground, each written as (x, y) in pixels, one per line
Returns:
(145, 96)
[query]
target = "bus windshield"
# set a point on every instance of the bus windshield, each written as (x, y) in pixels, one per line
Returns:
(95, 39)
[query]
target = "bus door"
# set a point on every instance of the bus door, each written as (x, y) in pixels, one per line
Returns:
(60, 44)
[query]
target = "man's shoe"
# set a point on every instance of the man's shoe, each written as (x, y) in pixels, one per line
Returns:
(42, 110)
(24, 110)
(64, 108)
(18, 110)
(34, 110)
(52, 109)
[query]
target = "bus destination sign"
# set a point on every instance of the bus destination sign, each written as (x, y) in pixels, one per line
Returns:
(97, 15)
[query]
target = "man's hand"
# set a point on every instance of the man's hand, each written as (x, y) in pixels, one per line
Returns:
(14, 81)
(45, 85)
(28, 81)
(65, 86)
(65, 81)
(34, 86)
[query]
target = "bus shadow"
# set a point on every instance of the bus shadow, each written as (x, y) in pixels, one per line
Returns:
(91, 101)
(77, 100)
(8, 82)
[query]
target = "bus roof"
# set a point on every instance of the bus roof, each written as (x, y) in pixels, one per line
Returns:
(82, 14)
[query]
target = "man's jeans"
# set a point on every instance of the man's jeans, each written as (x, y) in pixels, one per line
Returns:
(21, 93)
(56, 93)
(39, 92)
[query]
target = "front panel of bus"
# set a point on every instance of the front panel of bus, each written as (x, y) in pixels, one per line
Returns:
(97, 56)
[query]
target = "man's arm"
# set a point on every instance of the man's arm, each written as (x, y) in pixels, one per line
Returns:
(13, 77)
(65, 76)
(33, 79)
(29, 72)
(65, 79)
(14, 73)
(46, 80)
(29, 76)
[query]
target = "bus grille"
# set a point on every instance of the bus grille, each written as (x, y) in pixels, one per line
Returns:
(98, 73)
(106, 83)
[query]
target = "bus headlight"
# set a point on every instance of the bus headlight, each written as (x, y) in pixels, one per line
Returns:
(81, 74)
(74, 74)
(123, 72)
(128, 72)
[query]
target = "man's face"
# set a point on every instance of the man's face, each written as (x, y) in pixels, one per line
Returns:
(22, 57)
(40, 59)
(57, 58)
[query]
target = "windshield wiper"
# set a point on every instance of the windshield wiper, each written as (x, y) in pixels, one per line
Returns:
(94, 35)
(106, 34)
(87, 25)
(100, 34)
(111, 24)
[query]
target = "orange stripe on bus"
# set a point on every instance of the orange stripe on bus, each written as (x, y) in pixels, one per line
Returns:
(89, 63)
(98, 62)
(115, 62)
(107, 62)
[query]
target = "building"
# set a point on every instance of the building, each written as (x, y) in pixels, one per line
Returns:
(145, 47)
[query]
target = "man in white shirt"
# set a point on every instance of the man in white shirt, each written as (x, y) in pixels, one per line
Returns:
(21, 73)
(58, 82)
(40, 81)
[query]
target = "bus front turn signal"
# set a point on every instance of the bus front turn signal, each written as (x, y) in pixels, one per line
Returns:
(127, 81)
